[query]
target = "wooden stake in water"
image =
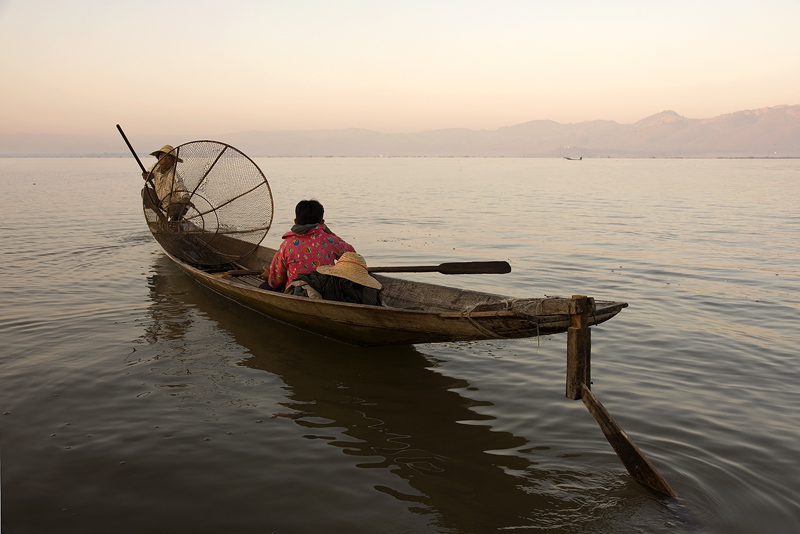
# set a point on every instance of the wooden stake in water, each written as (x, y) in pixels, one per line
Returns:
(579, 347)
(578, 387)
(632, 458)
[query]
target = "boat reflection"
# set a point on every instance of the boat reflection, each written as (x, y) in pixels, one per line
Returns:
(389, 408)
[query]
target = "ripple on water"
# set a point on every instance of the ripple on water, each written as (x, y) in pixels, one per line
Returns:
(130, 394)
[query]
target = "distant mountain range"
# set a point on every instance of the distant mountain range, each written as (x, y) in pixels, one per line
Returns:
(766, 132)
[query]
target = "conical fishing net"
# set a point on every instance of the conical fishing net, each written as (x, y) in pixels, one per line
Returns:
(207, 203)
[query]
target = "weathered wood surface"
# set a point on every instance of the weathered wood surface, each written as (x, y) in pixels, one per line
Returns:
(579, 380)
(413, 312)
(579, 346)
(634, 460)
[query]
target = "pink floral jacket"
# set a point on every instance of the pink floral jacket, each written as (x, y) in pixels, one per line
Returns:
(303, 253)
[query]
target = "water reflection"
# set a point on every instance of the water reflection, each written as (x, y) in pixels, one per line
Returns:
(392, 409)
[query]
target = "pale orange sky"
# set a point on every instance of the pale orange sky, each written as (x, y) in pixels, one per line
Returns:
(201, 68)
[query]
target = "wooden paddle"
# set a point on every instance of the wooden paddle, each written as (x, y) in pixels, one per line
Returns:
(466, 267)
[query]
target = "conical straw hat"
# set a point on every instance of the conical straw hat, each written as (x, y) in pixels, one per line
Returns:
(351, 266)
(166, 149)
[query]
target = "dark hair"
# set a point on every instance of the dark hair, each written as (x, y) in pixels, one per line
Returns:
(309, 212)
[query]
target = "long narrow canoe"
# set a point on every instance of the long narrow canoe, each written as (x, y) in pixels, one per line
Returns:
(412, 312)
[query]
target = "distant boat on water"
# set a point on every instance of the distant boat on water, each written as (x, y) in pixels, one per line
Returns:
(573, 159)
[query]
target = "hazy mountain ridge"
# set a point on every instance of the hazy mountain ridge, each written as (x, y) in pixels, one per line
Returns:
(765, 132)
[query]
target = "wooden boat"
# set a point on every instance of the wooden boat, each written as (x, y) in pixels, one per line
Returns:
(229, 211)
(412, 312)
(225, 212)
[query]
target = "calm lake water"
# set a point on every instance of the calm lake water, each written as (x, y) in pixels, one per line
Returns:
(134, 401)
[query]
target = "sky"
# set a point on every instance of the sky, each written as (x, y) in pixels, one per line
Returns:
(201, 68)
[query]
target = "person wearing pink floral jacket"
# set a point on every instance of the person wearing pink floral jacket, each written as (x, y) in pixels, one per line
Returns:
(308, 245)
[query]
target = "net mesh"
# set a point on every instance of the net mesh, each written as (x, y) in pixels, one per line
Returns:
(207, 203)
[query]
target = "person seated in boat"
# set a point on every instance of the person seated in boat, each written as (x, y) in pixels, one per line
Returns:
(347, 280)
(308, 245)
(166, 192)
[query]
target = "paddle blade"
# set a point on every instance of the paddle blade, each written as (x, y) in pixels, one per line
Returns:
(467, 267)
(475, 267)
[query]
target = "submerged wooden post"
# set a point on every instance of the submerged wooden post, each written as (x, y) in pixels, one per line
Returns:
(634, 460)
(579, 351)
(579, 348)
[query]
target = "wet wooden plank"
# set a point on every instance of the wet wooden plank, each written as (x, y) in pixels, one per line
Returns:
(632, 458)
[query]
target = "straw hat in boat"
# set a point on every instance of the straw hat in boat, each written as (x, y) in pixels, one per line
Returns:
(351, 266)
(166, 149)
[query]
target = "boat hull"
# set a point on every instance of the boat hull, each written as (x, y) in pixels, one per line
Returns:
(413, 312)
